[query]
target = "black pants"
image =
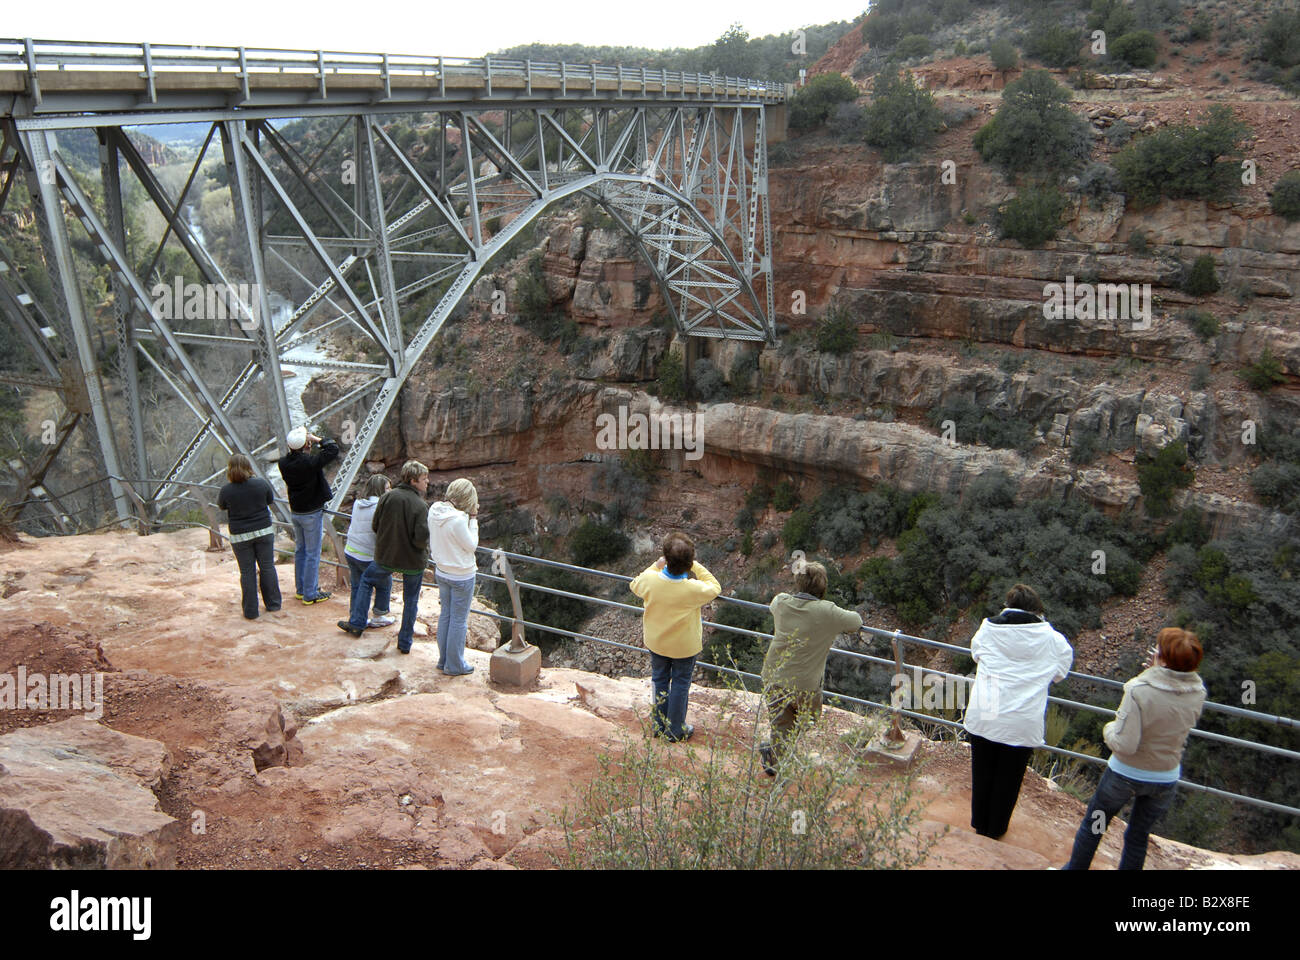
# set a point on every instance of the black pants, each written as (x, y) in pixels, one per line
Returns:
(257, 561)
(996, 773)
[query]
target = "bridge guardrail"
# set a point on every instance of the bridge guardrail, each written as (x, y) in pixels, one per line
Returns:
(150, 60)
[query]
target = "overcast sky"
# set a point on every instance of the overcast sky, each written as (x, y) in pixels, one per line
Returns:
(466, 28)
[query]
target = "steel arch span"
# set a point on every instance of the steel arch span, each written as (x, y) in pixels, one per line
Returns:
(371, 212)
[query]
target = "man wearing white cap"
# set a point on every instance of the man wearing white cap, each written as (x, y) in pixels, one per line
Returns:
(303, 470)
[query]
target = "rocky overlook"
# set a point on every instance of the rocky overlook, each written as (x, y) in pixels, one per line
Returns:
(286, 743)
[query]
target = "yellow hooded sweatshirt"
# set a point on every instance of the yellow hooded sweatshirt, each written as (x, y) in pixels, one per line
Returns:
(672, 609)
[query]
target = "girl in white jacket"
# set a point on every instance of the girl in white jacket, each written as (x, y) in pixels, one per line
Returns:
(453, 538)
(1019, 657)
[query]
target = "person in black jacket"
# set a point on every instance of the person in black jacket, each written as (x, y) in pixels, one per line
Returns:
(401, 523)
(247, 501)
(303, 470)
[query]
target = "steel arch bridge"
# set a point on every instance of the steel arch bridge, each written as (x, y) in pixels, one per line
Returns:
(677, 160)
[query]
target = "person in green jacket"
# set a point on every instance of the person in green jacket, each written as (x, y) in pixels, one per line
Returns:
(401, 522)
(806, 626)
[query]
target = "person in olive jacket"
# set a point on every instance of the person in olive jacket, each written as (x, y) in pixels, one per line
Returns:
(401, 522)
(303, 470)
(805, 628)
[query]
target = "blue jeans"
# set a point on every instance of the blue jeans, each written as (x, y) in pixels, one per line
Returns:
(1150, 801)
(382, 586)
(308, 528)
(672, 686)
(454, 597)
(410, 604)
(375, 580)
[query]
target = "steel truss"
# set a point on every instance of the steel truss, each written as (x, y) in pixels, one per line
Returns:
(683, 173)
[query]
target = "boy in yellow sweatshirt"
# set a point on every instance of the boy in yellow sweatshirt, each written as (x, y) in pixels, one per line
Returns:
(673, 633)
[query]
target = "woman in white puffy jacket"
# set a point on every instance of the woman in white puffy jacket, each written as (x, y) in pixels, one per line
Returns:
(453, 538)
(1019, 656)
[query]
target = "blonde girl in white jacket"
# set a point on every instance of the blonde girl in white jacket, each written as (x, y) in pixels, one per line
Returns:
(453, 539)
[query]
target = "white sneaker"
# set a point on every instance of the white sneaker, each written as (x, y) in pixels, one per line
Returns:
(384, 621)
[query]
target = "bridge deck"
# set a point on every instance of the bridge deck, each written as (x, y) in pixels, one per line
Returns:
(58, 77)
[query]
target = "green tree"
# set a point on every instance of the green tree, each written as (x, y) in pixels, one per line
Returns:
(902, 116)
(1053, 44)
(812, 103)
(1160, 476)
(1285, 198)
(837, 333)
(1265, 373)
(1034, 130)
(730, 54)
(1137, 49)
(1197, 161)
(595, 544)
(1004, 54)
(1033, 216)
(1201, 278)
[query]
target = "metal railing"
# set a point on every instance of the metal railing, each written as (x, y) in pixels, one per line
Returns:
(832, 697)
(152, 60)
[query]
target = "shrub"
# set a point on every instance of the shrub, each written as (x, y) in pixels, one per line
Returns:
(1202, 322)
(841, 532)
(785, 496)
(913, 45)
(1139, 243)
(797, 533)
(1003, 54)
(655, 807)
(954, 11)
(744, 368)
(1183, 160)
(1137, 49)
(1098, 181)
(672, 377)
(837, 333)
(1279, 38)
(1053, 44)
(1200, 378)
(594, 544)
(1034, 130)
(1113, 16)
(1201, 279)
(1160, 476)
(1265, 373)
(707, 381)
(976, 424)
(1034, 216)
(847, 121)
(1084, 446)
(812, 103)
(1285, 198)
(1278, 485)
(901, 117)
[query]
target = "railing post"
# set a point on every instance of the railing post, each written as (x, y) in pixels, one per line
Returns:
(215, 544)
(895, 730)
(519, 662)
(33, 84)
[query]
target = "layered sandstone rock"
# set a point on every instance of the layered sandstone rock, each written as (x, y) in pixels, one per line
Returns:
(78, 795)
